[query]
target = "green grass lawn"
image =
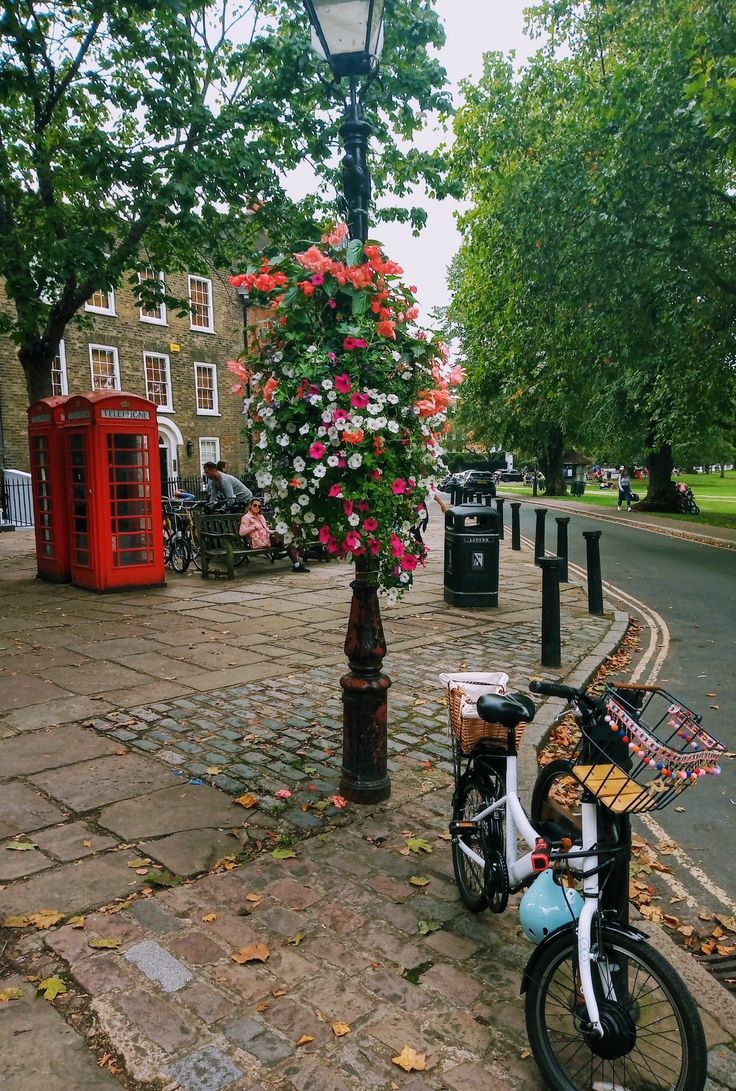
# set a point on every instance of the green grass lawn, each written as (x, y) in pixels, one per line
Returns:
(714, 495)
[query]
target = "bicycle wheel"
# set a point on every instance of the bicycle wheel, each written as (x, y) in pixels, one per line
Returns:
(555, 804)
(653, 1038)
(476, 789)
(179, 556)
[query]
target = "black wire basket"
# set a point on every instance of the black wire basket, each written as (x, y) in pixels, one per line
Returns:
(653, 749)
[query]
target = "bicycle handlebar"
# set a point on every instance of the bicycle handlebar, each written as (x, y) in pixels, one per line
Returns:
(554, 689)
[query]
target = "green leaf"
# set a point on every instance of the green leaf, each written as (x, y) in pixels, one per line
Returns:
(51, 987)
(103, 943)
(354, 252)
(419, 880)
(425, 927)
(20, 846)
(418, 844)
(283, 854)
(162, 877)
(360, 304)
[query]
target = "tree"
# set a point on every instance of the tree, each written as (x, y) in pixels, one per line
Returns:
(153, 133)
(608, 200)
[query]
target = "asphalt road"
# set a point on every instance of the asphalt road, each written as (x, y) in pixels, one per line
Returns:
(693, 588)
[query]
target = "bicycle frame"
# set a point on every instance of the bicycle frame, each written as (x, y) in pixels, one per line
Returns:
(520, 869)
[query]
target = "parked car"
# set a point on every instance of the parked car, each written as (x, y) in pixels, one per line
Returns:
(482, 480)
(509, 475)
(448, 482)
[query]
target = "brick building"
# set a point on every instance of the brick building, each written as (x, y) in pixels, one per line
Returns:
(178, 361)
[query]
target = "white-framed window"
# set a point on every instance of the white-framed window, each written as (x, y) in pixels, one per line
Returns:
(209, 450)
(201, 311)
(156, 314)
(158, 379)
(101, 302)
(59, 383)
(205, 387)
(104, 367)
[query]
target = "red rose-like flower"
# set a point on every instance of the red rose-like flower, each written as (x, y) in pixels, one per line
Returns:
(387, 328)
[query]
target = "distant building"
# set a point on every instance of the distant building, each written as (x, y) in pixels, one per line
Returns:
(177, 361)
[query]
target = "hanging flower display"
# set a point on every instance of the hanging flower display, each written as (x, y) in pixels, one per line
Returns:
(348, 403)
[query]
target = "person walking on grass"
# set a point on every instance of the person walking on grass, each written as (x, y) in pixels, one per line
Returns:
(624, 488)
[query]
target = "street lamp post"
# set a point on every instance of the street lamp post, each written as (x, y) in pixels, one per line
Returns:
(245, 302)
(348, 34)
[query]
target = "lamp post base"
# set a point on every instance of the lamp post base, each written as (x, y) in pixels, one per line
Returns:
(365, 776)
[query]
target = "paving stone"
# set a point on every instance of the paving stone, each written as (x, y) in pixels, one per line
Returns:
(722, 1066)
(389, 985)
(197, 949)
(153, 917)
(170, 810)
(340, 919)
(163, 1023)
(90, 784)
(208, 1069)
(452, 983)
(49, 749)
(24, 811)
(205, 1001)
(265, 1045)
(292, 894)
(101, 973)
(453, 947)
(68, 842)
(191, 851)
(158, 965)
(73, 887)
(312, 1074)
(474, 1077)
(247, 982)
(17, 865)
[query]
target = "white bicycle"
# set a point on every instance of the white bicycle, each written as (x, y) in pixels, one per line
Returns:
(604, 1010)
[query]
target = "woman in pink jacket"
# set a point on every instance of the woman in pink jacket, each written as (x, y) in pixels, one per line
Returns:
(254, 527)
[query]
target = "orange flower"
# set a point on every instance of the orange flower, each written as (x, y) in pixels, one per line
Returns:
(314, 260)
(386, 328)
(269, 389)
(354, 437)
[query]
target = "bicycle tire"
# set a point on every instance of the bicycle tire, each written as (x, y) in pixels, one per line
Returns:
(657, 1005)
(559, 815)
(180, 554)
(476, 789)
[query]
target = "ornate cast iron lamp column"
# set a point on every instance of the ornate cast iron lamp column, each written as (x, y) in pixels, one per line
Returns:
(352, 50)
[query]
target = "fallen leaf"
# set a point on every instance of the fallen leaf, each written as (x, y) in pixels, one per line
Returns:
(418, 880)
(10, 994)
(209, 917)
(104, 943)
(283, 854)
(253, 952)
(87, 844)
(716, 707)
(248, 800)
(339, 801)
(425, 927)
(295, 940)
(51, 987)
(278, 992)
(213, 770)
(727, 922)
(680, 810)
(15, 922)
(20, 846)
(76, 922)
(410, 1060)
(338, 1029)
(525, 1053)
(254, 898)
(139, 862)
(262, 1006)
(161, 877)
(305, 1040)
(418, 844)
(44, 918)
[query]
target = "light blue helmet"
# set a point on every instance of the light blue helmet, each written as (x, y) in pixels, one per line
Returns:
(547, 905)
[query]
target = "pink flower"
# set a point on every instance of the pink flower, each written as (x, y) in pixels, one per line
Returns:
(359, 401)
(317, 450)
(341, 462)
(343, 383)
(314, 260)
(339, 801)
(363, 505)
(352, 541)
(283, 793)
(330, 355)
(335, 490)
(317, 279)
(354, 343)
(409, 562)
(398, 549)
(331, 303)
(341, 414)
(324, 533)
(335, 237)
(375, 475)
(398, 487)
(348, 507)
(332, 546)
(374, 547)
(370, 524)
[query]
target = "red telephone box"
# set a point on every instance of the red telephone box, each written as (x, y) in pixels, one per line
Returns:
(49, 488)
(114, 491)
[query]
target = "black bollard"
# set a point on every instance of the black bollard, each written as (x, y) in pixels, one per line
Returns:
(515, 525)
(595, 584)
(540, 514)
(500, 501)
(562, 521)
(551, 568)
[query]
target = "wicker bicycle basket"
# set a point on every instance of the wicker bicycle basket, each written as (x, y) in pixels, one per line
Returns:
(467, 729)
(655, 750)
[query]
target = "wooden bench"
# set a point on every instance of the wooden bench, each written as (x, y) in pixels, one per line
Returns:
(219, 541)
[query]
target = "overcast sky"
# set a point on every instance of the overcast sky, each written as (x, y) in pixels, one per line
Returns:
(473, 27)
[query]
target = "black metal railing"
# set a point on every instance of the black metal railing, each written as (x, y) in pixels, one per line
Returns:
(16, 500)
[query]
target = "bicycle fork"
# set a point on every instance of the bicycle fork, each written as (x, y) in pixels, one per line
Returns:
(591, 894)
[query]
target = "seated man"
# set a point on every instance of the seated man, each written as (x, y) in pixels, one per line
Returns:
(255, 529)
(222, 486)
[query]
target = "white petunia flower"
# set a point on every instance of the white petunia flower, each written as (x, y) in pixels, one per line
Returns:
(381, 422)
(327, 384)
(326, 416)
(332, 396)
(404, 577)
(393, 426)
(392, 597)
(263, 478)
(354, 519)
(304, 429)
(332, 460)
(355, 460)
(312, 349)
(319, 470)
(309, 517)
(295, 509)
(283, 440)
(303, 501)
(298, 464)
(281, 528)
(267, 411)
(278, 357)
(392, 399)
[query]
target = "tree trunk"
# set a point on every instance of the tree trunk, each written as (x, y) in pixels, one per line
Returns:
(661, 490)
(550, 463)
(36, 355)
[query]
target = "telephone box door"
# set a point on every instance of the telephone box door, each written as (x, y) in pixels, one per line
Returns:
(45, 441)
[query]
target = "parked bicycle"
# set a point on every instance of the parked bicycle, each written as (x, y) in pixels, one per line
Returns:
(604, 1010)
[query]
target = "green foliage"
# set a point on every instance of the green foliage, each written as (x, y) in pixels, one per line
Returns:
(594, 292)
(138, 134)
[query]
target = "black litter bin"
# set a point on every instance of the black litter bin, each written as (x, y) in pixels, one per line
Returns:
(471, 555)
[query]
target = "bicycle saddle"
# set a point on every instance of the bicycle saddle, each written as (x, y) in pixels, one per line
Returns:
(511, 710)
